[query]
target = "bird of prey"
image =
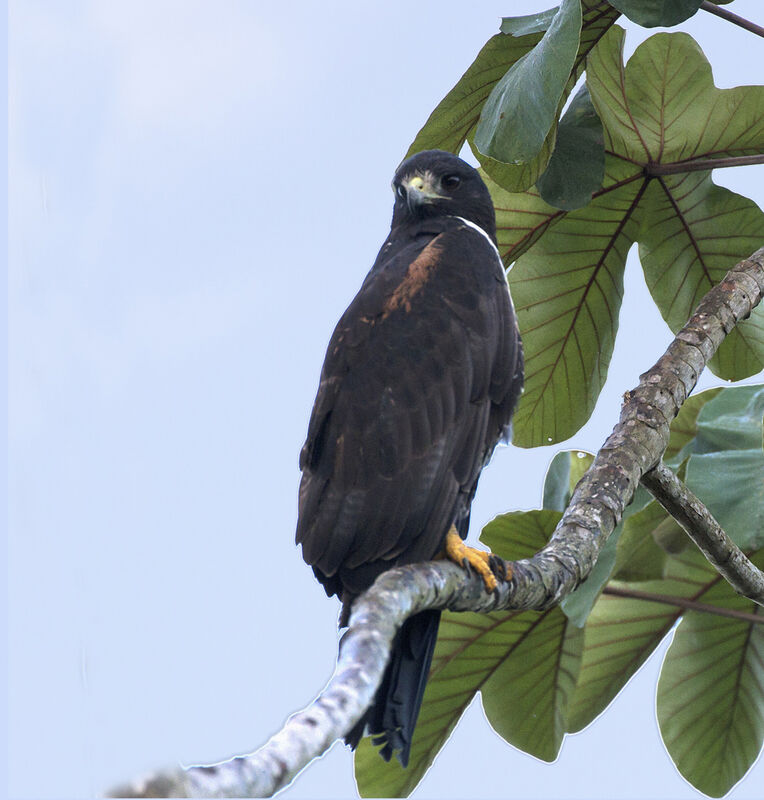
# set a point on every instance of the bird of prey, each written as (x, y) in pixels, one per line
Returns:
(420, 380)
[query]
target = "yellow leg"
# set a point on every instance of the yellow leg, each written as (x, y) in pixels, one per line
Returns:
(486, 564)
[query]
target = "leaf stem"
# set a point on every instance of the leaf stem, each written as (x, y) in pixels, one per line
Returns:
(685, 603)
(698, 523)
(696, 164)
(712, 8)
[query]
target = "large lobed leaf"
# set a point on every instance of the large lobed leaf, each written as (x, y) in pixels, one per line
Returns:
(664, 108)
(700, 230)
(710, 700)
(568, 274)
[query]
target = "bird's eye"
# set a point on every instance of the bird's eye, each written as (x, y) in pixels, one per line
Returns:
(451, 181)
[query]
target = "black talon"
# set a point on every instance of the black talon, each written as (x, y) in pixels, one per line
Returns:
(467, 567)
(497, 567)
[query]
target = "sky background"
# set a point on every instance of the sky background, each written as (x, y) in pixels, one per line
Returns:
(196, 192)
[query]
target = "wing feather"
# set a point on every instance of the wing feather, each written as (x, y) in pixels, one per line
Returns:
(414, 394)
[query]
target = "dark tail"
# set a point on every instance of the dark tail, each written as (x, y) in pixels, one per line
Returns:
(392, 717)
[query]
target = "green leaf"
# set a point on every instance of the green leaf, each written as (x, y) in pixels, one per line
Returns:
(471, 648)
(657, 13)
(577, 166)
(521, 218)
(457, 114)
(710, 701)
(731, 485)
(556, 493)
(621, 632)
(649, 532)
(567, 291)
(531, 23)
(661, 108)
(519, 534)
(517, 177)
(701, 230)
(733, 421)
(580, 461)
(670, 536)
(684, 428)
(526, 697)
(465, 657)
(579, 603)
(522, 107)
(565, 470)
(638, 557)
(454, 120)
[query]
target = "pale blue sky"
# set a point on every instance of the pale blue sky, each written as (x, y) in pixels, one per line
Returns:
(196, 192)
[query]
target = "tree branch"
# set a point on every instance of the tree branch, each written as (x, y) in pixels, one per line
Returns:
(685, 603)
(635, 446)
(697, 164)
(735, 19)
(728, 559)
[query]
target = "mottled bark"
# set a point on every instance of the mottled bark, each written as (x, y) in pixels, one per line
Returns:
(728, 559)
(635, 446)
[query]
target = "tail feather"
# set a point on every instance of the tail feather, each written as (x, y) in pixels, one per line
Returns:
(393, 715)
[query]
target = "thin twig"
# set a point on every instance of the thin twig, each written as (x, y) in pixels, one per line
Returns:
(686, 603)
(712, 8)
(728, 559)
(635, 446)
(697, 164)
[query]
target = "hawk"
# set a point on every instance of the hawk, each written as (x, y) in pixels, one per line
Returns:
(421, 377)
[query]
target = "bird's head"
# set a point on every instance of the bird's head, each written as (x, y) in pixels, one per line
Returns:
(436, 183)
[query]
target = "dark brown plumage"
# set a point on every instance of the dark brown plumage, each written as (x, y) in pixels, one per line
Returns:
(421, 376)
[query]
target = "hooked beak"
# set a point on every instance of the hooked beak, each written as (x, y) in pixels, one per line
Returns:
(420, 190)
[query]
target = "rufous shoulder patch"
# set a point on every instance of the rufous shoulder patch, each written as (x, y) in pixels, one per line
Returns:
(415, 278)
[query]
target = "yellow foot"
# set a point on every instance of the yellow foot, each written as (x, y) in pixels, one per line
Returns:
(486, 564)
